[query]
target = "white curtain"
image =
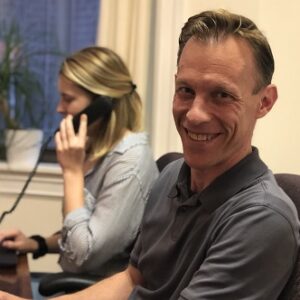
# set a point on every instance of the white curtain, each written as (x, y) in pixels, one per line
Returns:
(124, 26)
(168, 22)
(144, 34)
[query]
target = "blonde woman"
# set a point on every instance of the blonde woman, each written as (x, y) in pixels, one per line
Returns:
(107, 168)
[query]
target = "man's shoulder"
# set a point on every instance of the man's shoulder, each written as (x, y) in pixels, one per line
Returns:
(165, 183)
(267, 194)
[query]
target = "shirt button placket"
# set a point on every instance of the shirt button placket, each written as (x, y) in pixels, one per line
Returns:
(179, 220)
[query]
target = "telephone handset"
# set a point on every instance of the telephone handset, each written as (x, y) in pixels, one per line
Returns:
(100, 108)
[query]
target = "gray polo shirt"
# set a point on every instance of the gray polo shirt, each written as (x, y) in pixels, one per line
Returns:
(237, 239)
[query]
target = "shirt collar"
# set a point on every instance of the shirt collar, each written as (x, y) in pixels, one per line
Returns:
(127, 142)
(237, 178)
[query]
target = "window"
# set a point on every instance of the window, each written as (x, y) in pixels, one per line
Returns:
(62, 25)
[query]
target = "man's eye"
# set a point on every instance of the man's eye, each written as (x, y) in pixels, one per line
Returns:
(184, 91)
(222, 95)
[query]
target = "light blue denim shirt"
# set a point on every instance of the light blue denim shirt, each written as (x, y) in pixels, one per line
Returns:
(97, 238)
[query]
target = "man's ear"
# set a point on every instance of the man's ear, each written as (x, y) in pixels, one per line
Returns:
(268, 98)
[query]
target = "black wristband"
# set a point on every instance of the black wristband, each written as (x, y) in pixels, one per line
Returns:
(42, 246)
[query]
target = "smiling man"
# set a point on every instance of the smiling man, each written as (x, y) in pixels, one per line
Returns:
(217, 226)
(217, 101)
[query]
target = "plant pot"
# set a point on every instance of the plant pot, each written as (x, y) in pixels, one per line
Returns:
(22, 147)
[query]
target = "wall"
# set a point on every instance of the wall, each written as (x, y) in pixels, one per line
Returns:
(277, 135)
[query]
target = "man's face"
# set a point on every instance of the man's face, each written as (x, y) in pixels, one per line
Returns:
(214, 107)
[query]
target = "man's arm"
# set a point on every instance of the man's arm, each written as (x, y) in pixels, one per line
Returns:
(117, 287)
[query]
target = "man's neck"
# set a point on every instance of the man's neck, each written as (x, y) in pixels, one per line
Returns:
(202, 178)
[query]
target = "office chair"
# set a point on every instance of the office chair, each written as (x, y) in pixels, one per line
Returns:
(290, 183)
(166, 158)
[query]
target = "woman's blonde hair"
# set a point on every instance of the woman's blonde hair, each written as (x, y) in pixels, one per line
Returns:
(100, 71)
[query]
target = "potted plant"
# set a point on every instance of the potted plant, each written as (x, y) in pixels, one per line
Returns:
(20, 88)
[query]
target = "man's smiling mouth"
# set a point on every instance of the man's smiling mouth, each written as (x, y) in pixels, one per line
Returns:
(201, 137)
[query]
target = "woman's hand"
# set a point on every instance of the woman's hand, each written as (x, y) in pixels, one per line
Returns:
(70, 147)
(15, 239)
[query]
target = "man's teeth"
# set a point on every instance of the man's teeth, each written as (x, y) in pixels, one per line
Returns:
(201, 137)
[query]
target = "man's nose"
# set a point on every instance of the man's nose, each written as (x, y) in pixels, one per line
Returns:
(199, 111)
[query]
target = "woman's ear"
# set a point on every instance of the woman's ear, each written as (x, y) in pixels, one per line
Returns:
(268, 98)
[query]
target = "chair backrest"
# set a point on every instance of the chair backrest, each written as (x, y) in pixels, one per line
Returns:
(290, 183)
(166, 158)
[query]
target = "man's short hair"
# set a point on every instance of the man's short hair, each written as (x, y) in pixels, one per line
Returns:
(219, 24)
